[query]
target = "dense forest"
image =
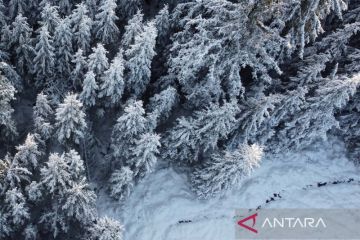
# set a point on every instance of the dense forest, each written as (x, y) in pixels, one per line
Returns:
(94, 94)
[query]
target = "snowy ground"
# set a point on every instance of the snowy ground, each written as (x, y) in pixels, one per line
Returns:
(163, 207)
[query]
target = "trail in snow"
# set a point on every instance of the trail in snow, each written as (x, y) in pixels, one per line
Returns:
(162, 207)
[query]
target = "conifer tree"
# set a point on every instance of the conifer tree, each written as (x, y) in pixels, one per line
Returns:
(106, 229)
(98, 61)
(105, 27)
(139, 58)
(50, 17)
(70, 120)
(28, 153)
(127, 129)
(162, 104)
(42, 116)
(224, 171)
(80, 66)
(81, 26)
(112, 85)
(121, 183)
(12, 174)
(17, 7)
(80, 202)
(55, 175)
(144, 154)
(16, 206)
(63, 49)
(44, 56)
(21, 41)
(162, 21)
(133, 28)
(7, 94)
(89, 92)
(127, 8)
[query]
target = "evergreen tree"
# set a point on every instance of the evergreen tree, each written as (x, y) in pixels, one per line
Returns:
(121, 183)
(139, 58)
(42, 116)
(162, 104)
(144, 154)
(55, 175)
(225, 170)
(92, 5)
(127, 8)
(127, 129)
(44, 56)
(21, 40)
(134, 27)
(70, 120)
(16, 207)
(98, 61)
(80, 202)
(106, 229)
(112, 85)
(80, 65)
(30, 232)
(28, 154)
(63, 49)
(17, 7)
(12, 174)
(50, 17)
(5, 228)
(76, 165)
(81, 26)
(105, 27)
(7, 92)
(3, 17)
(162, 21)
(88, 94)
(64, 6)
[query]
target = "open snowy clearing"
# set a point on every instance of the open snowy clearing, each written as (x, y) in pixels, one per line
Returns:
(163, 207)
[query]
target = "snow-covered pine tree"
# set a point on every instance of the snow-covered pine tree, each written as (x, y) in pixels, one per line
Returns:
(63, 49)
(80, 66)
(89, 92)
(224, 171)
(55, 175)
(317, 116)
(7, 94)
(98, 62)
(28, 153)
(76, 165)
(105, 26)
(162, 21)
(81, 27)
(127, 129)
(64, 6)
(121, 183)
(16, 207)
(127, 8)
(112, 85)
(80, 202)
(17, 7)
(193, 136)
(30, 232)
(11, 174)
(144, 154)
(44, 56)
(34, 191)
(50, 17)
(70, 120)
(42, 114)
(106, 229)
(21, 42)
(139, 58)
(92, 6)
(3, 17)
(133, 28)
(161, 104)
